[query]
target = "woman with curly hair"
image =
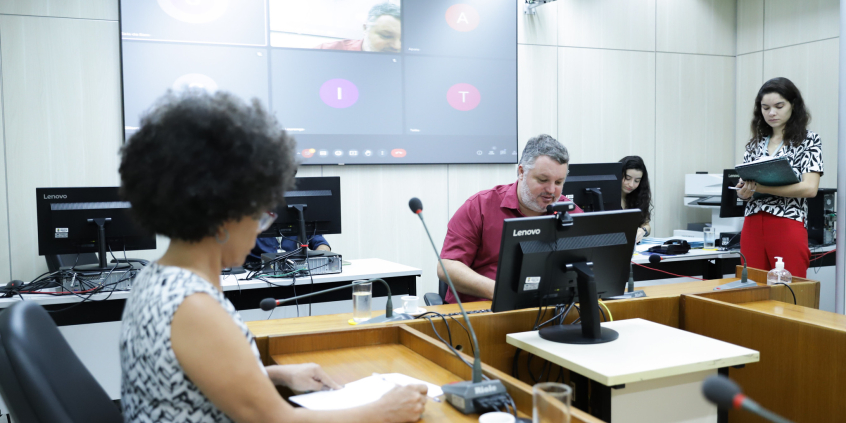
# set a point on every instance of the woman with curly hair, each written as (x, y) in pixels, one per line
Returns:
(205, 170)
(775, 224)
(636, 193)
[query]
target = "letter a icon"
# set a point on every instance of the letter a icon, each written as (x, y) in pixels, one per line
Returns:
(462, 17)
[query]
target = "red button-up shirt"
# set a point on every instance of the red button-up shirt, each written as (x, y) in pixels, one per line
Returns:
(474, 232)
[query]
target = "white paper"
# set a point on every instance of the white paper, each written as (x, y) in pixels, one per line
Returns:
(360, 392)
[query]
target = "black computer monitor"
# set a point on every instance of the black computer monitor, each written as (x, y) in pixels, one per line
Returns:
(730, 204)
(548, 260)
(594, 186)
(86, 220)
(313, 207)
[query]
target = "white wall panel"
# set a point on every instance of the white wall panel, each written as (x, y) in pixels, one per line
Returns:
(750, 26)
(697, 26)
(750, 70)
(695, 126)
(5, 258)
(614, 24)
(540, 28)
(606, 104)
(466, 180)
(62, 110)
(377, 223)
(85, 9)
(789, 22)
(537, 92)
(813, 68)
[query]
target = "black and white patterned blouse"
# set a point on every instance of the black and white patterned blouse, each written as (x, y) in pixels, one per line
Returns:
(804, 158)
(154, 387)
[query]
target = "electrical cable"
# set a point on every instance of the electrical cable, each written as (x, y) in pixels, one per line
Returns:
(662, 271)
(788, 287)
(610, 317)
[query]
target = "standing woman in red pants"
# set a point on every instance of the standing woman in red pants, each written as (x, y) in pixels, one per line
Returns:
(775, 226)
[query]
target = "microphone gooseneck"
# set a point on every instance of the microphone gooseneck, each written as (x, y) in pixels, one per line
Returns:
(417, 207)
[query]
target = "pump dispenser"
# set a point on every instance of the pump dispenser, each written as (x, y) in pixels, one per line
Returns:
(779, 274)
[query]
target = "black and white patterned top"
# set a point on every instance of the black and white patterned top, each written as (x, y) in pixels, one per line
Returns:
(804, 158)
(154, 387)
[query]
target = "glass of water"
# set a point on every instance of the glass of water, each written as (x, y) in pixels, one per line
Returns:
(551, 402)
(362, 297)
(709, 236)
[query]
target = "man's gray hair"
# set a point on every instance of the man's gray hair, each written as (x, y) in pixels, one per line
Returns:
(382, 9)
(543, 145)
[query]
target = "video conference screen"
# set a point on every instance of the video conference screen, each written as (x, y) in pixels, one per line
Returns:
(353, 81)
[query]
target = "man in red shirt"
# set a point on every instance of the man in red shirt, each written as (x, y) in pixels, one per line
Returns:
(382, 32)
(471, 248)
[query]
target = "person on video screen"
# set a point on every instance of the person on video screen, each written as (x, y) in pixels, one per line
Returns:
(382, 32)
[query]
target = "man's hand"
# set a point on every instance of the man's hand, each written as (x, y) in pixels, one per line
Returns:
(302, 377)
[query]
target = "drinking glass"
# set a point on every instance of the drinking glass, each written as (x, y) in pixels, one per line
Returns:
(362, 297)
(551, 402)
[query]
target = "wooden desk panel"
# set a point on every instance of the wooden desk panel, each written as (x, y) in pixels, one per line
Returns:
(353, 354)
(801, 373)
(799, 313)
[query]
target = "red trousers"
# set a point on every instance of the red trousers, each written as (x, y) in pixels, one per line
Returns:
(765, 237)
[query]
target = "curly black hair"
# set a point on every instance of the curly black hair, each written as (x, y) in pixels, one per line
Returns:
(796, 127)
(640, 198)
(202, 159)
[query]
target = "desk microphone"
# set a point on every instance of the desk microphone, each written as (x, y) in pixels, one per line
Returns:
(467, 397)
(726, 395)
(268, 304)
(744, 277)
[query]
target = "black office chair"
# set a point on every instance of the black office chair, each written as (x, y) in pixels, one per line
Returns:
(41, 379)
(432, 299)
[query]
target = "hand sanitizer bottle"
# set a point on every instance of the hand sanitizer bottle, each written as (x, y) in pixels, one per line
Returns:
(779, 274)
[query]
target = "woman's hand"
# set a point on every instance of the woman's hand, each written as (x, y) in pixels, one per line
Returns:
(402, 404)
(302, 377)
(746, 189)
(640, 234)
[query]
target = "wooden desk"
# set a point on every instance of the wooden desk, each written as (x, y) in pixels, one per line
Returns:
(492, 328)
(353, 354)
(801, 374)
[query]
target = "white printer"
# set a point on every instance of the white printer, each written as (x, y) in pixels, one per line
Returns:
(705, 191)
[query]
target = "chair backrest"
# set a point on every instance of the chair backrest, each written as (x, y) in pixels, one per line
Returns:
(55, 261)
(442, 289)
(41, 379)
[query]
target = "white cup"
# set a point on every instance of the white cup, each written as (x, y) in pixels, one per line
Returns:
(496, 417)
(409, 303)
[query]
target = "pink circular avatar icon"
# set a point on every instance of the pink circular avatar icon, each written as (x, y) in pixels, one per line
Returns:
(463, 97)
(462, 17)
(339, 93)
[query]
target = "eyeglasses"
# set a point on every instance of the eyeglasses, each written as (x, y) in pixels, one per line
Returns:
(266, 220)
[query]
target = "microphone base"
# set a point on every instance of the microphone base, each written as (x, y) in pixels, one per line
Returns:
(735, 285)
(636, 294)
(471, 398)
(382, 319)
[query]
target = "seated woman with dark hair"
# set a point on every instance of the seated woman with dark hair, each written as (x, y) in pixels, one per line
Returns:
(636, 193)
(204, 170)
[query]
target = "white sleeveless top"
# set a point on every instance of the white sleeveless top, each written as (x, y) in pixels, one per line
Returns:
(154, 387)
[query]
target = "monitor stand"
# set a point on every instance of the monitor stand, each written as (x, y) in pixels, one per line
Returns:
(590, 332)
(302, 237)
(597, 202)
(101, 245)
